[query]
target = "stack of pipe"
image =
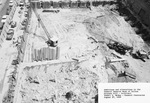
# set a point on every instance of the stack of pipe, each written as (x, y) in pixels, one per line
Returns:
(49, 53)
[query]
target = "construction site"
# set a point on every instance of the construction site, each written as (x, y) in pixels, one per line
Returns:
(56, 51)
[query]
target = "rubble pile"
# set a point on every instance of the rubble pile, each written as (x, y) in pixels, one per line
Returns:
(59, 83)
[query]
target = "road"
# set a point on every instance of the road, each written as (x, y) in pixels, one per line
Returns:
(8, 53)
(3, 8)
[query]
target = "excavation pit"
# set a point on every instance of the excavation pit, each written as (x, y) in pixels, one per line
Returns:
(57, 83)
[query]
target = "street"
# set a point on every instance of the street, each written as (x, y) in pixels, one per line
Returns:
(3, 8)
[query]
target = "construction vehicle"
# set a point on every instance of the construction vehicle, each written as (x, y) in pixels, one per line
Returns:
(10, 34)
(11, 3)
(119, 47)
(52, 41)
(4, 17)
(140, 54)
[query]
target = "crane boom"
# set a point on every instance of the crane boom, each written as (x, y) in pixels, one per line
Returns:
(52, 41)
(42, 24)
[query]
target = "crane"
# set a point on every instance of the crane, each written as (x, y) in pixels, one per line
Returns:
(52, 41)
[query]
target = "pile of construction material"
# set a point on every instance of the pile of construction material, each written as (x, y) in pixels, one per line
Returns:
(46, 53)
(119, 47)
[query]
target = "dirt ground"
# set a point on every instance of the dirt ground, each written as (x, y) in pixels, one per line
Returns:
(83, 34)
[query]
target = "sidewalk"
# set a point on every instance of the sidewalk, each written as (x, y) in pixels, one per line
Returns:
(8, 53)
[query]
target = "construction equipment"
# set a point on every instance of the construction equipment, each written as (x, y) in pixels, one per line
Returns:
(119, 47)
(140, 54)
(127, 74)
(52, 41)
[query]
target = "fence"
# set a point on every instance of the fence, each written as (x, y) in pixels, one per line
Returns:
(60, 4)
(6, 25)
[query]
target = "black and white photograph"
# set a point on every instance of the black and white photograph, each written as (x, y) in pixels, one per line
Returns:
(63, 51)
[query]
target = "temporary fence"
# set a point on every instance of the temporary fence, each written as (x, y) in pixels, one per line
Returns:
(59, 4)
(6, 25)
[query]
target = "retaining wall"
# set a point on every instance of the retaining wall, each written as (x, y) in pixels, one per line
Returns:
(22, 46)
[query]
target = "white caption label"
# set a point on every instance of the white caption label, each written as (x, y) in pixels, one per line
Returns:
(124, 93)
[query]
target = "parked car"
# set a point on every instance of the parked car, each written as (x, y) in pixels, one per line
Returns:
(1, 26)
(28, 5)
(24, 22)
(13, 24)
(21, 4)
(21, 7)
(23, 27)
(15, 62)
(10, 34)
(8, 11)
(10, 3)
(26, 14)
(19, 11)
(4, 18)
